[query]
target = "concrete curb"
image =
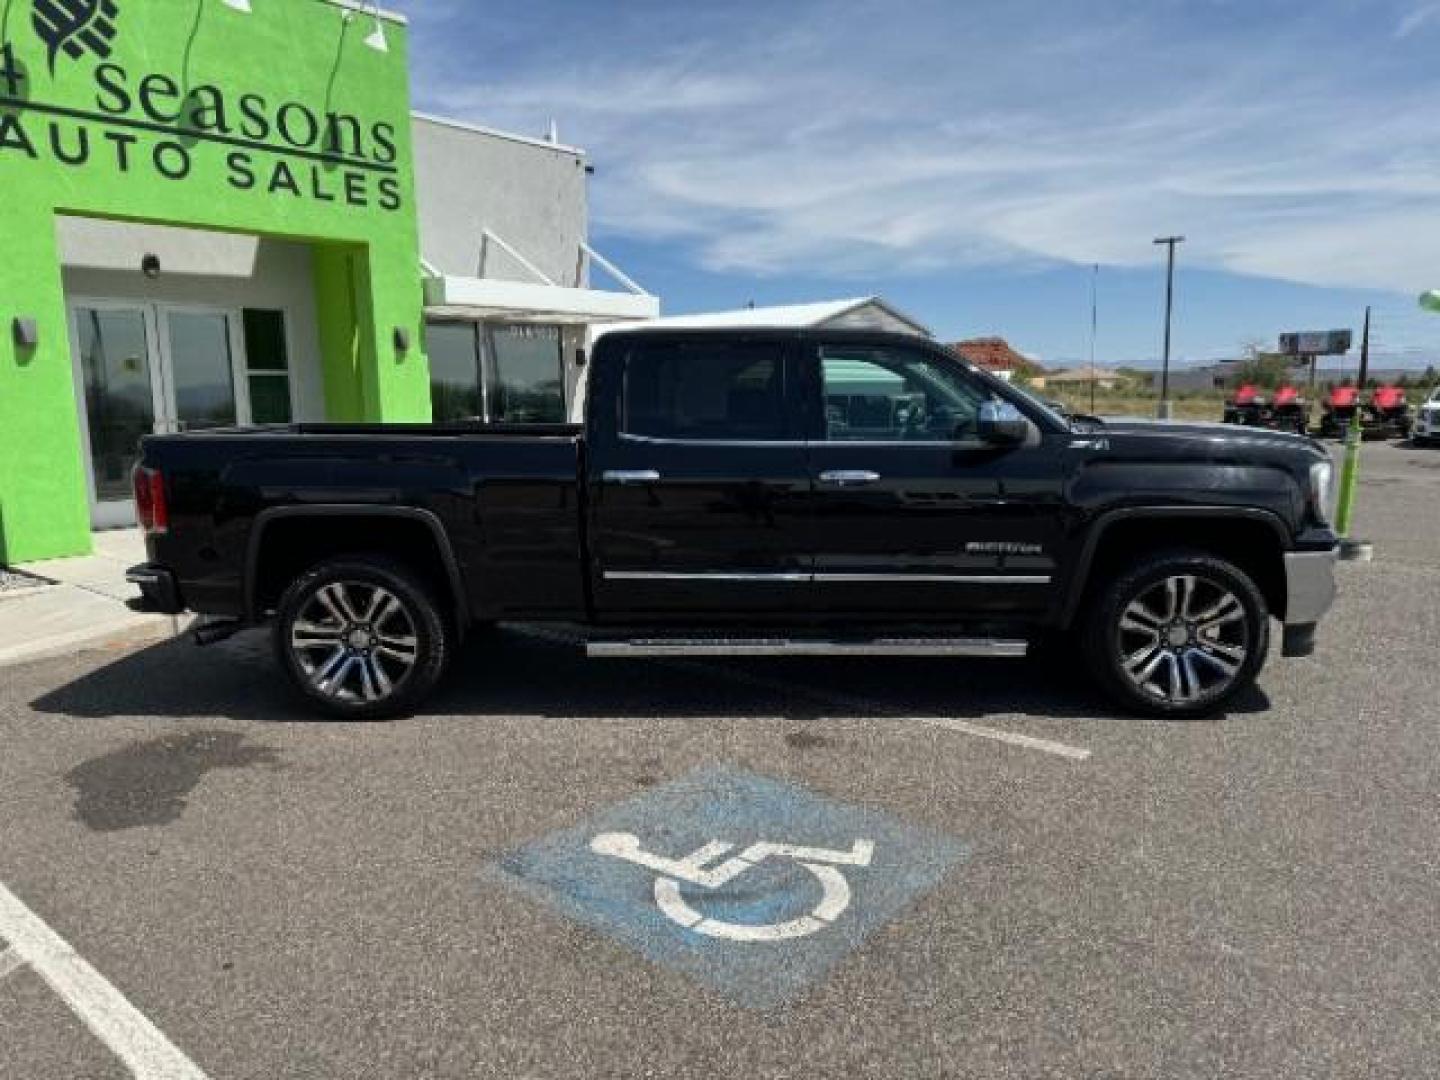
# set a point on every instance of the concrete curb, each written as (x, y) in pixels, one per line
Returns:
(144, 630)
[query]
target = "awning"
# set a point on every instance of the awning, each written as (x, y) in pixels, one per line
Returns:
(476, 299)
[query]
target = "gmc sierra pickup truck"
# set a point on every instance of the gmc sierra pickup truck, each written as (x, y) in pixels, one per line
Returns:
(753, 493)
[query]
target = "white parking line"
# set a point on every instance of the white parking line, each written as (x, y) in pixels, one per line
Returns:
(1029, 742)
(138, 1043)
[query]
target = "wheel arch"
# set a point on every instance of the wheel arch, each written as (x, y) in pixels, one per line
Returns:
(1253, 539)
(437, 558)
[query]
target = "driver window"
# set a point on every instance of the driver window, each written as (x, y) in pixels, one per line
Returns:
(896, 395)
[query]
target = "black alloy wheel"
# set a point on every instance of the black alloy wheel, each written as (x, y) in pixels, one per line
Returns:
(362, 638)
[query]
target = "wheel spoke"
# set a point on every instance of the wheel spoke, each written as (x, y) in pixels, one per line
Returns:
(1186, 587)
(1139, 619)
(307, 635)
(1229, 610)
(400, 656)
(1228, 663)
(367, 679)
(1144, 663)
(340, 593)
(328, 602)
(336, 686)
(322, 674)
(1177, 678)
(380, 677)
(1172, 599)
(384, 611)
(1191, 678)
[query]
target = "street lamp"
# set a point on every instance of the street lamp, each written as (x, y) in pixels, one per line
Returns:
(1166, 409)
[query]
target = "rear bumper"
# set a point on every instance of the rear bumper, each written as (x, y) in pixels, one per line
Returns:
(159, 591)
(1310, 594)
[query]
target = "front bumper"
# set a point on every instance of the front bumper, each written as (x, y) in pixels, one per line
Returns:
(1310, 594)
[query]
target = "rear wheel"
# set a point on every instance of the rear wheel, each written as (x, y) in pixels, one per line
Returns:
(1180, 635)
(362, 638)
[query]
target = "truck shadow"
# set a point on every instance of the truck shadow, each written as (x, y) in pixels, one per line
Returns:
(518, 672)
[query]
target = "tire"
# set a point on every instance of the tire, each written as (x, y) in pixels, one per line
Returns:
(362, 638)
(1180, 635)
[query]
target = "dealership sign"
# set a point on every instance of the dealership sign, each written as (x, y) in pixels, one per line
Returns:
(1320, 343)
(151, 120)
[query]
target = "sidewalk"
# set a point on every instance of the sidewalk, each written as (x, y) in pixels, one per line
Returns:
(86, 608)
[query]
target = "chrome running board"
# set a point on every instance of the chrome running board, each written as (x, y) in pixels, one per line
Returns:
(699, 647)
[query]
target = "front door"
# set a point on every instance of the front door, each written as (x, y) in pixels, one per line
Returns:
(916, 517)
(701, 489)
(145, 369)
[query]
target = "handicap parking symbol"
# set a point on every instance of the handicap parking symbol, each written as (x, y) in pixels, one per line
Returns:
(752, 886)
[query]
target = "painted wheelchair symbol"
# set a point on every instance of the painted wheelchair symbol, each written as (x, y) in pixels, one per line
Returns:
(822, 863)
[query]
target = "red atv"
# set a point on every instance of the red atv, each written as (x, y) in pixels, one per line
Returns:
(1388, 415)
(1340, 407)
(1289, 411)
(1248, 408)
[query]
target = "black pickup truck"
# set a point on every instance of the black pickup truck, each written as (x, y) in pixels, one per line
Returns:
(754, 493)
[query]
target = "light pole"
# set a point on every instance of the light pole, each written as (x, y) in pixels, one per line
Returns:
(1171, 242)
(1094, 329)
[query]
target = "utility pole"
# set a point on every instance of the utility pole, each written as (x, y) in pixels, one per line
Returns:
(1166, 410)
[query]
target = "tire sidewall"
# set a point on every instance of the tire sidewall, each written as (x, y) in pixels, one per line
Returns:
(432, 635)
(1102, 639)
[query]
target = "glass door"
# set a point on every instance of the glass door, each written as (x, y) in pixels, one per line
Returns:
(114, 356)
(145, 369)
(198, 351)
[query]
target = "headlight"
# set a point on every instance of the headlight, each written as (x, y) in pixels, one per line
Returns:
(1322, 490)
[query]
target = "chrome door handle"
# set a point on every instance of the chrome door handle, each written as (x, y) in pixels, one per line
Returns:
(632, 476)
(850, 478)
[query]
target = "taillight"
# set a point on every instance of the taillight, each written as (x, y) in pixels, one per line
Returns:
(150, 505)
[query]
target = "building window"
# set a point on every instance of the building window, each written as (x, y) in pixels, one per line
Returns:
(501, 374)
(527, 374)
(267, 367)
(454, 352)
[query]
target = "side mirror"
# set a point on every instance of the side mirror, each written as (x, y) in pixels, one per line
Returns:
(1002, 424)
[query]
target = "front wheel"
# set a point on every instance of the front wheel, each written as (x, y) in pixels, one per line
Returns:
(1180, 635)
(361, 638)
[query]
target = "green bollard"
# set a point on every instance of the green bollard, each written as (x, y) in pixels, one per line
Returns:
(1349, 477)
(1351, 550)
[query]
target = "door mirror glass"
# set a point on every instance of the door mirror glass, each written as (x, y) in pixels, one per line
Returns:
(1002, 424)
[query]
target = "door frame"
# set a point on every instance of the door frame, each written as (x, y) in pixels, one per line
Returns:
(119, 514)
(116, 513)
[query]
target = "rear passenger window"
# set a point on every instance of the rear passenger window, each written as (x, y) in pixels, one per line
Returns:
(705, 392)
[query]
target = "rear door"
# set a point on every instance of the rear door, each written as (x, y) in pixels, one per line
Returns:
(915, 516)
(698, 480)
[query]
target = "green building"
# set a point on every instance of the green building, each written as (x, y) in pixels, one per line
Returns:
(221, 212)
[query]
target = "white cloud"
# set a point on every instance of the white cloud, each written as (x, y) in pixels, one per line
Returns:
(860, 138)
(1416, 20)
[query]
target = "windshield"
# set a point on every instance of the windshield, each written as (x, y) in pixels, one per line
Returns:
(1051, 408)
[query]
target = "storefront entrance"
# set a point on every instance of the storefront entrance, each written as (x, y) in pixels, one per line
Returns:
(143, 369)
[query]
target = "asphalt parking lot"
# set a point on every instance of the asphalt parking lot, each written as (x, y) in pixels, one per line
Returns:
(1050, 891)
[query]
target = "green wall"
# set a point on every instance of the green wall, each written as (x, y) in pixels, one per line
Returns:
(184, 112)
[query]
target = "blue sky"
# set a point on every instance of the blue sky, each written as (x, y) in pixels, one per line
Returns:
(971, 159)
